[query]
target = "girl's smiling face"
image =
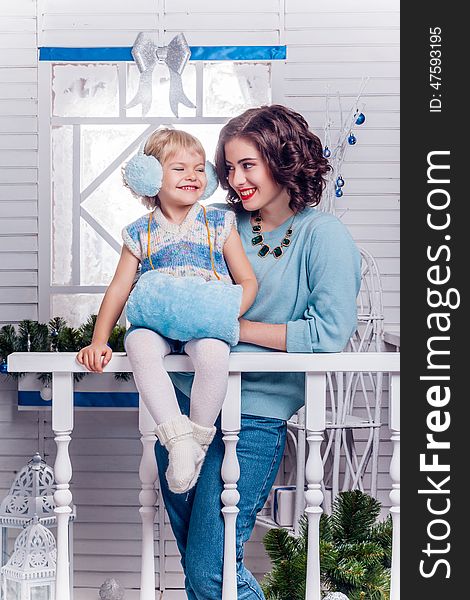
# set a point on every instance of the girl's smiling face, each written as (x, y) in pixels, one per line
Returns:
(184, 179)
(249, 175)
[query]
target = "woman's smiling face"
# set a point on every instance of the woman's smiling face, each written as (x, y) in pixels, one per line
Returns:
(250, 177)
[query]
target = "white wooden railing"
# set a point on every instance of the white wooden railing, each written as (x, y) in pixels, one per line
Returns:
(315, 366)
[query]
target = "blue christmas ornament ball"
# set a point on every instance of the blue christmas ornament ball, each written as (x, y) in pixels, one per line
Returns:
(352, 139)
(326, 152)
(3, 367)
(339, 182)
(338, 192)
(360, 119)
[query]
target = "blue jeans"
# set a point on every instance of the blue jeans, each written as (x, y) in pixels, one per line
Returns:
(196, 519)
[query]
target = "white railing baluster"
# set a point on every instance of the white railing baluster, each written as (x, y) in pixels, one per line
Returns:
(148, 500)
(230, 477)
(394, 425)
(299, 506)
(315, 408)
(341, 401)
(62, 425)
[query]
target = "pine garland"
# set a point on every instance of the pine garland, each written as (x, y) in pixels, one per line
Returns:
(55, 336)
(355, 553)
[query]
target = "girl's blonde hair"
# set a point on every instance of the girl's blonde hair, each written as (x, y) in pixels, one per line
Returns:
(164, 143)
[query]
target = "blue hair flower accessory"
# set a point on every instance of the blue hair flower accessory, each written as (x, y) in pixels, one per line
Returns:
(144, 174)
(212, 181)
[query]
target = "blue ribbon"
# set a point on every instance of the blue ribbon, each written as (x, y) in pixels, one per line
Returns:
(238, 53)
(84, 399)
(205, 53)
(86, 54)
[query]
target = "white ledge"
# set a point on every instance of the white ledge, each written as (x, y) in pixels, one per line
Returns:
(64, 362)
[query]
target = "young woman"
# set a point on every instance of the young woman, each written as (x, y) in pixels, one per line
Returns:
(308, 272)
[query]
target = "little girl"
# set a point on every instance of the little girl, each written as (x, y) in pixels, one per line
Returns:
(179, 237)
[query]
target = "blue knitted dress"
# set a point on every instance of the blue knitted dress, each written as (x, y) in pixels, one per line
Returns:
(182, 250)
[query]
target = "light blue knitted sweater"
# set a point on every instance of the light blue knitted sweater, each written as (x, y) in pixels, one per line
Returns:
(312, 288)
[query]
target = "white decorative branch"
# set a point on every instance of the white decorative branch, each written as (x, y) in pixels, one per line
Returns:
(336, 151)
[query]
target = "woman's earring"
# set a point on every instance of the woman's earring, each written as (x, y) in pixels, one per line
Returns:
(144, 174)
(212, 181)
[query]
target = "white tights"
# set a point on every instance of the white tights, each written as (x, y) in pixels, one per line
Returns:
(146, 350)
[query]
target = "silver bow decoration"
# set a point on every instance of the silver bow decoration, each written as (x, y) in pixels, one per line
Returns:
(147, 54)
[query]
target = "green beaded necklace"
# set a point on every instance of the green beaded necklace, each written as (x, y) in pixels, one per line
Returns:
(258, 238)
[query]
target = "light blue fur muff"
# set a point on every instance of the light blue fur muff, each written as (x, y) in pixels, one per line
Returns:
(186, 308)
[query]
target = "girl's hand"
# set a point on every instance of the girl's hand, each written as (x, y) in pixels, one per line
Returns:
(91, 356)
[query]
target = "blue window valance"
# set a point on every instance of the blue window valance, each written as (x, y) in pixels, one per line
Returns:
(204, 53)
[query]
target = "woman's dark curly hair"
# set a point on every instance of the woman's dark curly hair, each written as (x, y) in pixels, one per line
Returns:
(293, 154)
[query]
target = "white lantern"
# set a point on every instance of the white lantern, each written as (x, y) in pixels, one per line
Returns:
(31, 495)
(30, 572)
(30, 499)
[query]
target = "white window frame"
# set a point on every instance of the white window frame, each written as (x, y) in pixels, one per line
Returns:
(46, 121)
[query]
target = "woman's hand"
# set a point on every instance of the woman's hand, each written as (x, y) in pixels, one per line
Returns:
(244, 324)
(269, 335)
(95, 356)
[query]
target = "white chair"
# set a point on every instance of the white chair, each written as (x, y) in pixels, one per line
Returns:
(346, 416)
(346, 466)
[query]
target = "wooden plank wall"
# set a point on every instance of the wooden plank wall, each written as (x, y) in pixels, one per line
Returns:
(337, 42)
(18, 161)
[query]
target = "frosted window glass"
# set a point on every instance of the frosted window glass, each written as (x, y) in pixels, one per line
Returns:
(92, 90)
(85, 90)
(207, 134)
(101, 144)
(62, 205)
(160, 90)
(75, 308)
(113, 205)
(230, 88)
(98, 260)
